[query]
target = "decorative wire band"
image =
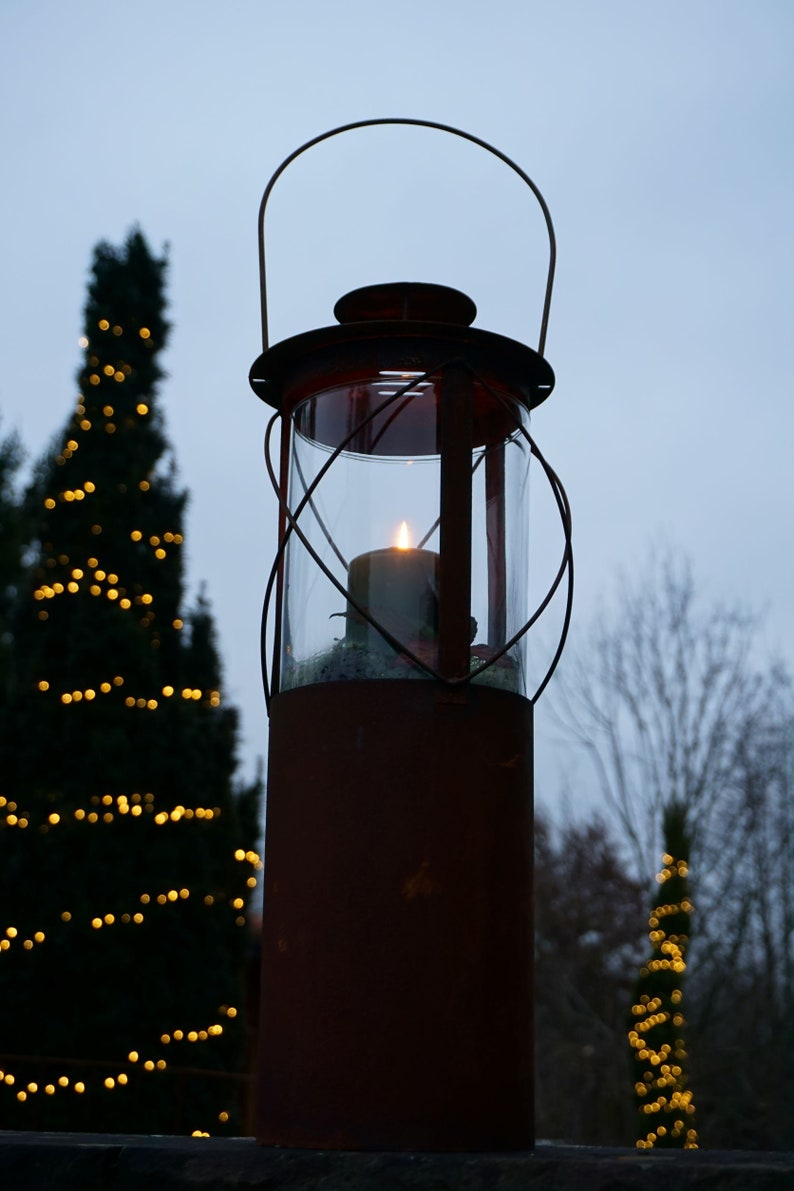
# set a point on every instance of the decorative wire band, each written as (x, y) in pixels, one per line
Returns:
(566, 564)
(293, 526)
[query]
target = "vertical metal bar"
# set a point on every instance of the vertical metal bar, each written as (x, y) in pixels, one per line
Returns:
(286, 427)
(455, 531)
(495, 537)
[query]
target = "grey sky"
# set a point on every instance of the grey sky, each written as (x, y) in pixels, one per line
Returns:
(661, 136)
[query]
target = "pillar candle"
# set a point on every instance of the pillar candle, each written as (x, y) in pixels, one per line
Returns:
(399, 589)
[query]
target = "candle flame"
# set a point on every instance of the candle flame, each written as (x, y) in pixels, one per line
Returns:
(403, 539)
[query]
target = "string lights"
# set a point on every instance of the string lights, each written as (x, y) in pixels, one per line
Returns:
(209, 697)
(26, 1090)
(657, 1034)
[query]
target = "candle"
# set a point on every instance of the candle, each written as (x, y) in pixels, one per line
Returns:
(398, 587)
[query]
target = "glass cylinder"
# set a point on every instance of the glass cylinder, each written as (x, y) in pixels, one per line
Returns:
(366, 470)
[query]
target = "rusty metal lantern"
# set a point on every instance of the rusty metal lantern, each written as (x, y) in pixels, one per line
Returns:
(397, 925)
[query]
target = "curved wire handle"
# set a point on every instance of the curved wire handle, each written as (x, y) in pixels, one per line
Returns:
(466, 136)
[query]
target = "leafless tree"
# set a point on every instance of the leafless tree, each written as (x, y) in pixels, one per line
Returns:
(662, 699)
(743, 980)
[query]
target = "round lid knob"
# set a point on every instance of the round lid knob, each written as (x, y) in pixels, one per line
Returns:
(415, 301)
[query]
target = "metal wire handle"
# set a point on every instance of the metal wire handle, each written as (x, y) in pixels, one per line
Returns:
(466, 136)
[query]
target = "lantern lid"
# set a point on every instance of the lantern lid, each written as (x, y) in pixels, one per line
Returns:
(404, 301)
(404, 325)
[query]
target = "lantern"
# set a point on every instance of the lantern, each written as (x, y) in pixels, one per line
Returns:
(397, 924)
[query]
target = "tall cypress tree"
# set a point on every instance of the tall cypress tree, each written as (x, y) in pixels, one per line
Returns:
(657, 1035)
(127, 859)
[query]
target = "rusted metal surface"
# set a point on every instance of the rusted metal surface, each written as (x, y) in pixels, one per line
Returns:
(397, 932)
(406, 301)
(304, 365)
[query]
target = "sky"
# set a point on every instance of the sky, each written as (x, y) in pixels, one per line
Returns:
(660, 136)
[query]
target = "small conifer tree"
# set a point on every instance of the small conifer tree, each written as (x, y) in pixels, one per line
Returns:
(657, 1035)
(127, 846)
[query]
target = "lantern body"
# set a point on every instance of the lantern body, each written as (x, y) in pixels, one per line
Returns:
(397, 923)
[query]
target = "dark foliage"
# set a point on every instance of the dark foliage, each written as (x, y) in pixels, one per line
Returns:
(741, 980)
(589, 920)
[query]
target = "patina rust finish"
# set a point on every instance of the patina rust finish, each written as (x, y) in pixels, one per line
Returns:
(397, 933)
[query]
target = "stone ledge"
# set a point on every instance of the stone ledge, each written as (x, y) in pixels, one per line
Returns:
(106, 1162)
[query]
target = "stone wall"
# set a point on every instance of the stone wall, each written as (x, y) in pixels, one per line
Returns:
(100, 1162)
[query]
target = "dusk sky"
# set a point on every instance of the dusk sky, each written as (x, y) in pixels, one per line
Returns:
(660, 136)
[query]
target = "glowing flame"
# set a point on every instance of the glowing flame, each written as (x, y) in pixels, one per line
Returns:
(403, 539)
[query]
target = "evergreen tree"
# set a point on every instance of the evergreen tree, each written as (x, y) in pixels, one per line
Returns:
(665, 1104)
(127, 857)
